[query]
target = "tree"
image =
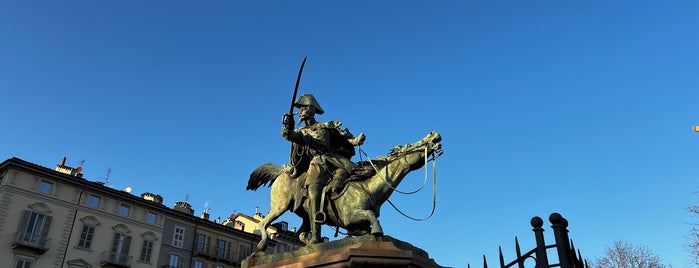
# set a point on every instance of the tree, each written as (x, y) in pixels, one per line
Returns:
(693, 245)
(626, 255)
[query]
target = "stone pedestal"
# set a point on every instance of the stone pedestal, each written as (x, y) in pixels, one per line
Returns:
(363, 251)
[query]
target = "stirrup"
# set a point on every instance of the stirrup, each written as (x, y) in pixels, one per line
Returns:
(319, 218)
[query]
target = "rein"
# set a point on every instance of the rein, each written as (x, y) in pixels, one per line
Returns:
(384, 177)
(434, 183)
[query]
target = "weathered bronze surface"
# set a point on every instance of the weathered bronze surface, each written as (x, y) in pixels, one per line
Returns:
(323, 186)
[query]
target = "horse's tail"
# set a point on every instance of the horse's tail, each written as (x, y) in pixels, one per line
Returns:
(263, 175)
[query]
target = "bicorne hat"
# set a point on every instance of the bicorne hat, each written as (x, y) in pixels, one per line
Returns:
(309, 100)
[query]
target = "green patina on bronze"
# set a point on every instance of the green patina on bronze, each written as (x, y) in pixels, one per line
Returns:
(323, 186)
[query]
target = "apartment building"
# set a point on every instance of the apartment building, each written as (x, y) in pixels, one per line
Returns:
(57, 218)
(283, 239)
(198, 242)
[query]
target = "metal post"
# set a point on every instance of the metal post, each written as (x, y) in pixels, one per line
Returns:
(542, 260)
(560, 232)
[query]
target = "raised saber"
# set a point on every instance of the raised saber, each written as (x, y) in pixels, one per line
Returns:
(296, 88)
(290, 116)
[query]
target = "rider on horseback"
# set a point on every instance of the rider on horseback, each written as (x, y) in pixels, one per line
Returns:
(320, 149)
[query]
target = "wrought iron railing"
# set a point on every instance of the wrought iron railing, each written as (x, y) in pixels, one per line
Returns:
(568, 256)
(216, 253)
(116, 258)
(37, 242)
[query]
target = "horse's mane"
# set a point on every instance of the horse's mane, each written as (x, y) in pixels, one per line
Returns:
(366, 169)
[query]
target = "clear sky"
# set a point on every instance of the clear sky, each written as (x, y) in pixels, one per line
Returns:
(585, 109)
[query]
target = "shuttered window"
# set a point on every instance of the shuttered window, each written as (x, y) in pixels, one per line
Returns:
(34, 226)
(120, 245)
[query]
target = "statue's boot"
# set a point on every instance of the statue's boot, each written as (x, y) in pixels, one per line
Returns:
(314, 191)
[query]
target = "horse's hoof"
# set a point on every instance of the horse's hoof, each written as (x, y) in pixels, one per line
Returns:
(377, 231)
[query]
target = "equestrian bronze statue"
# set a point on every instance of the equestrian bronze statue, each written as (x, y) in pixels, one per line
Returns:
(314, 185)
(322, 185)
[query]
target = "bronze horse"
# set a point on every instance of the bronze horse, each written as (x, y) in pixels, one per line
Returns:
(356, 209)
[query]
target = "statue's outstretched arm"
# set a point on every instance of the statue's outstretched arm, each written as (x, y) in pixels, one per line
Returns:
(359, 140)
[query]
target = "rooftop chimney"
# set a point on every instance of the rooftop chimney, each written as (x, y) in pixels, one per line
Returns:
(62, 168)
(205, 214)
(152, 197)
(184, 207)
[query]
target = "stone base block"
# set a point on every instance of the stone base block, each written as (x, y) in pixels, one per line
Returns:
(363, 251)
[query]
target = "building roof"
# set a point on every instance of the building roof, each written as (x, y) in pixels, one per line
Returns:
(21, 164)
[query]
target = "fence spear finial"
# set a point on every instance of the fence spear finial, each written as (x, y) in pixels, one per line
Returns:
(502, 258)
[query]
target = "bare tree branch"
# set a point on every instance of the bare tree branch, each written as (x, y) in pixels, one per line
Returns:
(626, 255)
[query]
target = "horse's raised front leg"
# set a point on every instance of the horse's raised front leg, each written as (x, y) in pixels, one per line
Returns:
(359, 216)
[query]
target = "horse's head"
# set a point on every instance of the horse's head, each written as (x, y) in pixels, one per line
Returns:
(416, 153)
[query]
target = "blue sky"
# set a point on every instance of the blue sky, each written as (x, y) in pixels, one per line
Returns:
(584, 109)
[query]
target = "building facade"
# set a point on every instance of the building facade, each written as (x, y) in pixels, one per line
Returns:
(56, 218)
(282, 239)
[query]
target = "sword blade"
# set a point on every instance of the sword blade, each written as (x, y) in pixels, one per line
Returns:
(296, 88)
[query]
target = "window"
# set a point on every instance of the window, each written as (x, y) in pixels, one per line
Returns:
(93, 201)
(202, 243)
(174, 261)
(45, 187)
(282, 248)
(120, 247)
(199, 264)
(23, 262)
(244, 252)
(34, 228)
(146, 250)
(218, 266)
(86, 236)
(222, 248)
(178, 237)
(124, 210)
(151, 217)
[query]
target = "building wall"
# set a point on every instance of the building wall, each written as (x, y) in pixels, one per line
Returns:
(66, 206)
(19, 194)
(168, 248)
(74, 216)
(282, 240)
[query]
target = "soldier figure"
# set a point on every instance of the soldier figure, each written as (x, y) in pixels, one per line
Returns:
(322, 150)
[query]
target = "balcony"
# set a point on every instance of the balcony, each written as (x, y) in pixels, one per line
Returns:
(115, 259)
(214, 253)
(35, 242)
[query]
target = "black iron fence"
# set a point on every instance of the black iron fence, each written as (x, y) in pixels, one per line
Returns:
(568, 256)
